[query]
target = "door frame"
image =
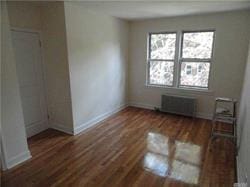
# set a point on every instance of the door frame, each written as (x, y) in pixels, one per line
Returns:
(39, 33)
(3, 154)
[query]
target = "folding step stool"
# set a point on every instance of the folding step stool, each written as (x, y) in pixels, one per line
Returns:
(227, 116)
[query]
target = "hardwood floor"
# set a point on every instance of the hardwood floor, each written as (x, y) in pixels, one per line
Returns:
(135, 147)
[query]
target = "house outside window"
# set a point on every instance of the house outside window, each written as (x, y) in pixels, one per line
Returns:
(188, 70)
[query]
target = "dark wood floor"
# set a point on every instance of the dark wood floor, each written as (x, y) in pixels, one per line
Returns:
(135, 147)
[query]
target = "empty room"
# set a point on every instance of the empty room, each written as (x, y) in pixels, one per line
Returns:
(125, 93)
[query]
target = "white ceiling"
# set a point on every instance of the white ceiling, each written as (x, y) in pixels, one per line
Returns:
(144, 10)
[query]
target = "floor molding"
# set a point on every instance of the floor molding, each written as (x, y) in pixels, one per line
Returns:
(142, 105)
(97, 119)
(237, 169)
(204, 116)
(151, 107)
(62, 128)
(18, 159)
(241, 174)
(104, 116)
(36, 128)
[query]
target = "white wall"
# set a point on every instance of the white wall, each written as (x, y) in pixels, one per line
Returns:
(244, 128)
(56, 66)
(97, 50)
(48, 18)
(86, 62)
(232, 35)
(13, 138)
(26, 15)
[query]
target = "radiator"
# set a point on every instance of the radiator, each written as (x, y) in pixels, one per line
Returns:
(178, 105)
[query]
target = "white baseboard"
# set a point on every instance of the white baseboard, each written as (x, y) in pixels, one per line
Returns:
(97, 119)
(62, 128)
(18, 159)
(204, 115)
(151, 107)
(238, 170)
(142, 105)
(241, 172)
(36, 128)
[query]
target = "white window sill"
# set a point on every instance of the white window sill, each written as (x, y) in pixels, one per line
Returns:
(173, 90)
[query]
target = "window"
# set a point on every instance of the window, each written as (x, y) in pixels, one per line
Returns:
(161, 58)
(196, 53)
(180, 59)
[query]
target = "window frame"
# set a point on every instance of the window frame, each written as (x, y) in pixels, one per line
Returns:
(178, 60)
(167, 60)
(195, 60)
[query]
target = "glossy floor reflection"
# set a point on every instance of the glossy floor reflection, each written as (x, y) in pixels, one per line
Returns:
(171, 158)
(136, 147)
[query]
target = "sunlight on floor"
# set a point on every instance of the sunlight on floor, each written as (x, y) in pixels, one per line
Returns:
(174, 159)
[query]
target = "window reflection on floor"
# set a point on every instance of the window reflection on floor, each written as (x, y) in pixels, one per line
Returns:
(185, 172)
(187, 152)
(156, 164)
(157, 143)
(174, 159)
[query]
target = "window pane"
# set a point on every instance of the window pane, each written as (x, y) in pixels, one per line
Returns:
(194, 74)
(161, 72)
(162, 46)
(197, 45)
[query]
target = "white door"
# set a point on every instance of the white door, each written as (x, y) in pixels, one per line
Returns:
(30, 74)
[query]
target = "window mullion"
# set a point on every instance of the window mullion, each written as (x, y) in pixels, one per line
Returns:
(195, 60)
(161, 60)
(148, 57)
(177, 59)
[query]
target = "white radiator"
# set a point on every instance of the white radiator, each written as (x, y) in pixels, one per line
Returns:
(178, 105)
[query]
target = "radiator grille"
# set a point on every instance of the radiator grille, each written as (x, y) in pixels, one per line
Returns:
(178, 105)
